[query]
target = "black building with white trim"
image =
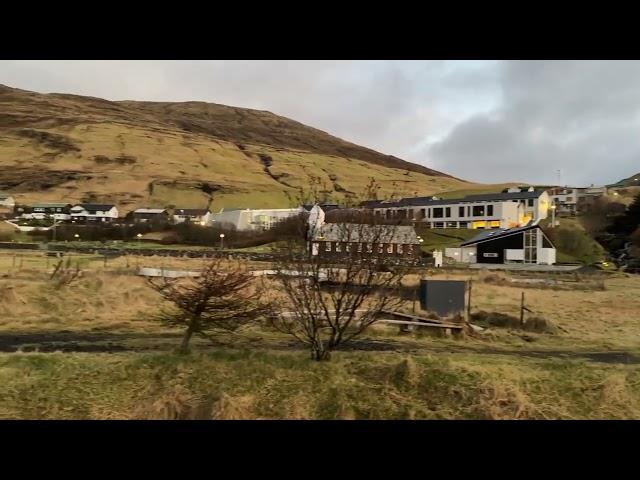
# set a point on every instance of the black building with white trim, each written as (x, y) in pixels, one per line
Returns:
(527, 245)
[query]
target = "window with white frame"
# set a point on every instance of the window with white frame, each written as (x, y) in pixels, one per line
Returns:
(327, 246)
(390, 248)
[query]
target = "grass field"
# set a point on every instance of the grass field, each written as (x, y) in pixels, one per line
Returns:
(101, 355)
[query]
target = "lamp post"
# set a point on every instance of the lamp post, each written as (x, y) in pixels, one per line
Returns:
(221, 241)
(76, 236)
(553, 216)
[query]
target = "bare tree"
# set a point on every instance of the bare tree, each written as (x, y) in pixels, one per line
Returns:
(64, 274)
(330, 300)
(222, 298)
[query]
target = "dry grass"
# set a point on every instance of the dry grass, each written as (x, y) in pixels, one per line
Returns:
(260, 376)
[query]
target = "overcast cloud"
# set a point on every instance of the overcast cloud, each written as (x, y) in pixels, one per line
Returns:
(480, 120)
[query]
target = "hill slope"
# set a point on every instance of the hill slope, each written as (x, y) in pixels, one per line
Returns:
(59, 146)
(632, 181)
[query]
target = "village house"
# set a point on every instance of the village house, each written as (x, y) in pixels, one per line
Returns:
(200, 216)
(336, 240)
(149, 215)
(527, 245)
(254, 219)
(572, 200)
(59, 212)
(94, 212)
(511, 208)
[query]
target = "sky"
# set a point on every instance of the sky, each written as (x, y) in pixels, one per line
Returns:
(546, 122)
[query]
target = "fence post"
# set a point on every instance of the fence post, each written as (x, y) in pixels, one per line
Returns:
(470, 283)
(522, 310)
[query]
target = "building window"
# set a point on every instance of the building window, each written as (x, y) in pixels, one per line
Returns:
(359, 248)
(438, 212)
(478, 211)
(423, 213)
(461, 212)
(390, 248)
(489, 210)
(428, 213)
(530, 202)
(369, 247)
(380, 248)
(347, 247)
(448, 212)
(468, 211)
(410, 249)
(399, 249)
(338, 247)
(327, 246)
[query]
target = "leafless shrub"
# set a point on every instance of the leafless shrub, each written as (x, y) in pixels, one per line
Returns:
(64, 274)
(357, 290)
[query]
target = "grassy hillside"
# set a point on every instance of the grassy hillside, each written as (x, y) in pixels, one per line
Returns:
(55, 147)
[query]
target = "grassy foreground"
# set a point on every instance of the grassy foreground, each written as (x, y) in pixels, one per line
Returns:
(260, 385)
(101, 356)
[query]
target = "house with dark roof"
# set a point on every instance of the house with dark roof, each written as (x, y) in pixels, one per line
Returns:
(149, 215)
(526, 245)
(54, 211)
(94, 212)
(486, 211)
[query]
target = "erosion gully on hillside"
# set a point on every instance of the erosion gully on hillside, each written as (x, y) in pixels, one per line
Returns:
(67, 341)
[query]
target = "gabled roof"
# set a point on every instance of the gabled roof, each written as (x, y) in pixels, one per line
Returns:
(353, 232)
(95, 207)
(50, 205)
(191, 212)
(156, 211)
(490, 235)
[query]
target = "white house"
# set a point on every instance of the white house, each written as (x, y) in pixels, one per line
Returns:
(94, 212)
(527, 245)
(260, 219)
(200, 216)
(56, 211)
(495, 210)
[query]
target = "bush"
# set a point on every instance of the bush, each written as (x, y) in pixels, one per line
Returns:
(575, 243)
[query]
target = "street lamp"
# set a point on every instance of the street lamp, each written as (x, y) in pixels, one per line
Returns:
(221, 241)
(139, 236)
(76, 236)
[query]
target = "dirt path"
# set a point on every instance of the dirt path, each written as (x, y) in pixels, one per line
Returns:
(106, 342)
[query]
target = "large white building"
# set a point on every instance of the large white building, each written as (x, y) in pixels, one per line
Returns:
(258, 219)
(513, 208)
